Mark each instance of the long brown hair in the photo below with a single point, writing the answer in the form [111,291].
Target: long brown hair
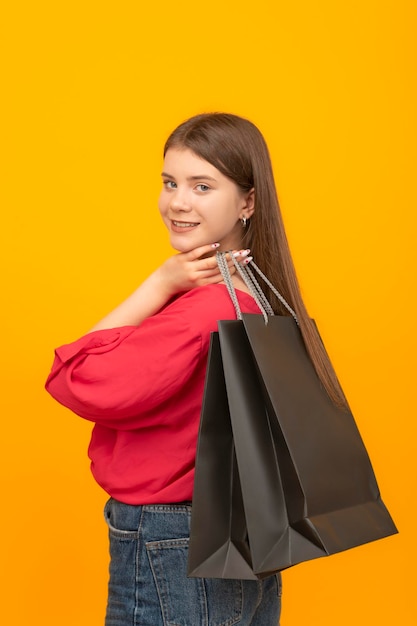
[238,150]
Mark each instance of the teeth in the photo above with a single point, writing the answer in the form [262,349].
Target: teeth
[185,224]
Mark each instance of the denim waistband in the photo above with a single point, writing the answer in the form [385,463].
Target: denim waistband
[157,506]
[128,517]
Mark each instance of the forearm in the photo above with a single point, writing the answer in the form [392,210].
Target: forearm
[179,273]
[146,300]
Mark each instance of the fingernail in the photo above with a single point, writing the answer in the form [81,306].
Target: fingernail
[248,260]
[215,245]
[241,253]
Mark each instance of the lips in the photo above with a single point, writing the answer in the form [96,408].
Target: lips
[184,224]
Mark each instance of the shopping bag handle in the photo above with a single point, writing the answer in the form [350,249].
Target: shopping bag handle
[252,284]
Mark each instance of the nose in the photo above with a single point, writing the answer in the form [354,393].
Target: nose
[180,201]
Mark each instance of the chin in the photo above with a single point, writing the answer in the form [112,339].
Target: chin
[182,247]
[185,246]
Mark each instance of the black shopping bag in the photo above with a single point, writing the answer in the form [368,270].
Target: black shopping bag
[304,482]
[218,539]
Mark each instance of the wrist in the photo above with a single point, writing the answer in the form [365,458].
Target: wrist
[159,281]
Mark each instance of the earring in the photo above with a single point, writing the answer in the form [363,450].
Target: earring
[244,220]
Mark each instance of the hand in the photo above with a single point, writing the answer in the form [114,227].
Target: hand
[196,268]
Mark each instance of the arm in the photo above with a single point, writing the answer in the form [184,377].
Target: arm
[179,273]
[118,373]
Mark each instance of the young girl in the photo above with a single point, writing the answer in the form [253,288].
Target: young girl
[139,375]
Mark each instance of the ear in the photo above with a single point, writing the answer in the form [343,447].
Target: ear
[249,206]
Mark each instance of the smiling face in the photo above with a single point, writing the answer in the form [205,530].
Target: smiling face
[199,205]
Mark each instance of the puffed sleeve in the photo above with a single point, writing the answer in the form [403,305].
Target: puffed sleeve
[120,375]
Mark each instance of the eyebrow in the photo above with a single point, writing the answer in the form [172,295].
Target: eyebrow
[198,177]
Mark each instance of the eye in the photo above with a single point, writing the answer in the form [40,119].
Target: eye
[202,187]
[169,184]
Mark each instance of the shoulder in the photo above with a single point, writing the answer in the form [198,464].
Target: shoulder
[207,305]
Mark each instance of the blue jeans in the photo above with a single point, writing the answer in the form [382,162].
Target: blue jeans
[148,583]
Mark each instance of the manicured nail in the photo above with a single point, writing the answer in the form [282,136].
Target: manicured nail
[248,260]
[241,253]
[215,245]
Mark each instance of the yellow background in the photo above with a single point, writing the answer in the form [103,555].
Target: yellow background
[90,91]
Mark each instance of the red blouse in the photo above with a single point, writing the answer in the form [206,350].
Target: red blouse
[143,388]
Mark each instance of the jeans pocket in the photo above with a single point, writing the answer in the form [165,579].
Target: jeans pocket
[119,526]
[191,601]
